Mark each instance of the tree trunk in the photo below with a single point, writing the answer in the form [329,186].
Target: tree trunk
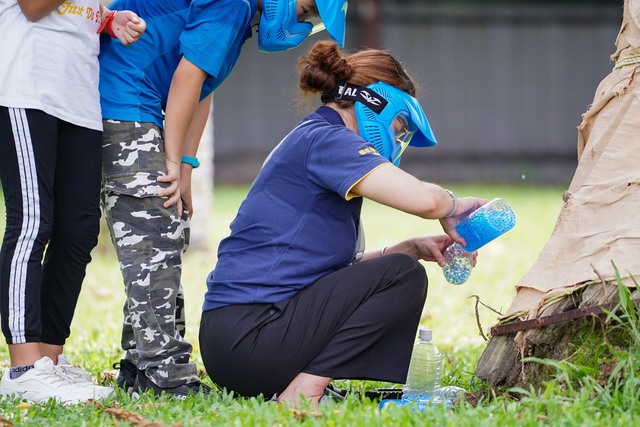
[202,190]
[501,363]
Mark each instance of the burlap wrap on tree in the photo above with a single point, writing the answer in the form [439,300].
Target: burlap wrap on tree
[598,224]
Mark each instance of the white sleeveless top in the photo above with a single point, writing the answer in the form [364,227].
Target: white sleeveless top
[52,64]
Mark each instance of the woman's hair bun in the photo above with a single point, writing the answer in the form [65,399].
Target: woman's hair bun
[323,68]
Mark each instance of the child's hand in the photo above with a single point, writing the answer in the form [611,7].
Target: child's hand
[173,190]
[127,26]
[185,188]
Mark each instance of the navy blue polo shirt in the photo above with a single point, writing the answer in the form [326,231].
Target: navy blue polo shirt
[299,221]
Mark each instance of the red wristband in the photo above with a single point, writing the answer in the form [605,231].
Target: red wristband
[108,23]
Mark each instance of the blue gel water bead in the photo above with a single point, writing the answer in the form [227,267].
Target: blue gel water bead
[418,405]
[451,392]
[486,223]
[459,264]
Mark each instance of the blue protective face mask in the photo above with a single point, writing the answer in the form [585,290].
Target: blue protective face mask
[279,28]
[377,107]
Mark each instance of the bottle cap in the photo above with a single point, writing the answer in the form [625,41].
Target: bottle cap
[425,334]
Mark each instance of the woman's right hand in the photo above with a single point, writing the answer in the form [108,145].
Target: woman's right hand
[464,206]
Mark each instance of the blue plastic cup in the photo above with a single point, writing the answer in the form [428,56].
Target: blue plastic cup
[486,223]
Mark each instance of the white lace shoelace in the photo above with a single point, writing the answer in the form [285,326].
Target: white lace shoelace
[56,376]
[75,374]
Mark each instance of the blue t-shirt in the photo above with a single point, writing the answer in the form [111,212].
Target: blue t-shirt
[299,221]
[135,79]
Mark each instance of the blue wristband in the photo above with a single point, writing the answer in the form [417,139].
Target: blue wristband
[193,161]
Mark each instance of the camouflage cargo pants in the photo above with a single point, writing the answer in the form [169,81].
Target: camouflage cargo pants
[149,241]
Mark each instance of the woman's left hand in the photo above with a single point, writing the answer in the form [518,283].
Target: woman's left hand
[431,248]
[427,248]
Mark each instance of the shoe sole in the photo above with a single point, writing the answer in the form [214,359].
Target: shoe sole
[38,398]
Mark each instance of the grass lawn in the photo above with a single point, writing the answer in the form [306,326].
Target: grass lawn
[450,311]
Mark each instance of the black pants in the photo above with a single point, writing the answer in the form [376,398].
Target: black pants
[50,172]
[357,323]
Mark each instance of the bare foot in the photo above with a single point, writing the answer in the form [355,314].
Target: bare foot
[304,386]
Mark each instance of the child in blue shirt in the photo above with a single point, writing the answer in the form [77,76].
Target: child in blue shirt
[155,102]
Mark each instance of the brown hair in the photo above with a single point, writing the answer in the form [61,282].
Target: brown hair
[325,66]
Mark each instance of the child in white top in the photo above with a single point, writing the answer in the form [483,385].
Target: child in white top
[50,168]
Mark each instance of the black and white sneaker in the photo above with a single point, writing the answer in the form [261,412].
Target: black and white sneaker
[127,375]
[331,394]
[144,384]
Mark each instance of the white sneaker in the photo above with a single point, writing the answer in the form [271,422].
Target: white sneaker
[43,382]
[81,378]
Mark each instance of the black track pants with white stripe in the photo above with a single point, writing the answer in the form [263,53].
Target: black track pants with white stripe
[50,172]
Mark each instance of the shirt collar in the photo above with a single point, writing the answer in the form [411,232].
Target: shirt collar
[330,115]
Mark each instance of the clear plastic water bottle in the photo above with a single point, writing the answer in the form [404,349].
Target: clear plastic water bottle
[446,396]
[459,264]
[425,369]
[415,404]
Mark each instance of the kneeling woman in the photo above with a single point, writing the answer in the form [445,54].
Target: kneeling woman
[292,302]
